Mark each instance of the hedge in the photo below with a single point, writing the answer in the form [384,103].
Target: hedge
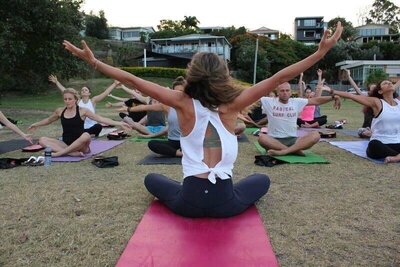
[155,72]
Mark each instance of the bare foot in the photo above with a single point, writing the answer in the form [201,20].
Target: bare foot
[273,152]
[299,153]
[392,159]
[76,154]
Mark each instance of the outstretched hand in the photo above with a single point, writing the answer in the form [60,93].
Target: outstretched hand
[327,43]
[85,53]
[126,126]
[53,78]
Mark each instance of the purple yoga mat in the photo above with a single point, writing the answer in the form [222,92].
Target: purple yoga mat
[358,148]
[96,147]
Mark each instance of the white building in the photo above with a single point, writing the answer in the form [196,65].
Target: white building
[186,46]
[360,69]
[132,34]
[375,32]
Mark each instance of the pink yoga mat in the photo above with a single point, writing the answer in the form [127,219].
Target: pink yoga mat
[163,238]
[96,147]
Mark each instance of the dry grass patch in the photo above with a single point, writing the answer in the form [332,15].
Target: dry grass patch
[346,213]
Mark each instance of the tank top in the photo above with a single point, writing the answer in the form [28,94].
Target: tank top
[155,118]
[72,127]
[193,151]
[89,105]
[308,113]
[386,126]
[174,131]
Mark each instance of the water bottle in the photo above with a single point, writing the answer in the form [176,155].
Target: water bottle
[47,156]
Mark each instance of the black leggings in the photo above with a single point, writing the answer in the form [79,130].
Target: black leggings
[167,148]
[95,129]
[198,197]
[321,121]
[378,150]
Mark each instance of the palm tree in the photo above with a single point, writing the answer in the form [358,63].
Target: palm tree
[190,22]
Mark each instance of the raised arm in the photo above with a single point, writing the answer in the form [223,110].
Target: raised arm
[318,90]
[87,113]
[53,117]
[104,94]
[169,97]
[141,98]
[53,79]
[371,102]
[14,128]
[264,87]
[351,81]
[300,85]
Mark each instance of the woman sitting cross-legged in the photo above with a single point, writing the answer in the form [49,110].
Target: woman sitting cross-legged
[75,141]
[385,125]
[207,111]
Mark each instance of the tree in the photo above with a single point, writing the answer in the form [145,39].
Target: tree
[190,22]
[31,35]
[174,28]
[96,26]
[349,31]
[229,32]
[385,12]
[376,76]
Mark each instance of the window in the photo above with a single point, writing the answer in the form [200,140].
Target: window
[309,34]
[310,22]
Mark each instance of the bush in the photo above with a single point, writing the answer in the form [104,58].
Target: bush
[155,72]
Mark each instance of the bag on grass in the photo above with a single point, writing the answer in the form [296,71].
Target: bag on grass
[267,161]
[117,135]
[8,163]
[105,162]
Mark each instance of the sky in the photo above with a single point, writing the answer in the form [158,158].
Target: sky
[252,14]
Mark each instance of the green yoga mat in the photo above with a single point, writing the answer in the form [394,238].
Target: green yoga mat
[145,139]
[309,157]
[251,130]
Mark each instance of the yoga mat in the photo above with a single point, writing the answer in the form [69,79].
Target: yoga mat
[353,133]
[153,159]
[11,145]
[251,130]
[358,148]
[309,157]
[163,238]
[96,147]
[145,139]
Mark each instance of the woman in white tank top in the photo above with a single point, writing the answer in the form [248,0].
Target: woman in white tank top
[385,106]
[207,111]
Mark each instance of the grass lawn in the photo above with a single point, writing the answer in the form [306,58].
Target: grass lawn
[346,213]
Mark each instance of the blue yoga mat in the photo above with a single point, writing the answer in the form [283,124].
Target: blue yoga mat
[358,148]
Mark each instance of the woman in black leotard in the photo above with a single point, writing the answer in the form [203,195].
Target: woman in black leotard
[75,141]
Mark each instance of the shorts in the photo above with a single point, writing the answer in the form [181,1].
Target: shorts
[155,129]
[287,141]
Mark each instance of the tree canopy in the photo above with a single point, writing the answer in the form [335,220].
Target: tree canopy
[31,35]
[385,12]
[96,26]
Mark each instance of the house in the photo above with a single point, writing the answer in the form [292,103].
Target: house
[375,32]
[360,69]
[309,30]
[132,34]
[209,30]
[179,50]
[264,31]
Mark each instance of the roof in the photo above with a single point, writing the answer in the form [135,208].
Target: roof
[355,63]
[315,17]
[264,30]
